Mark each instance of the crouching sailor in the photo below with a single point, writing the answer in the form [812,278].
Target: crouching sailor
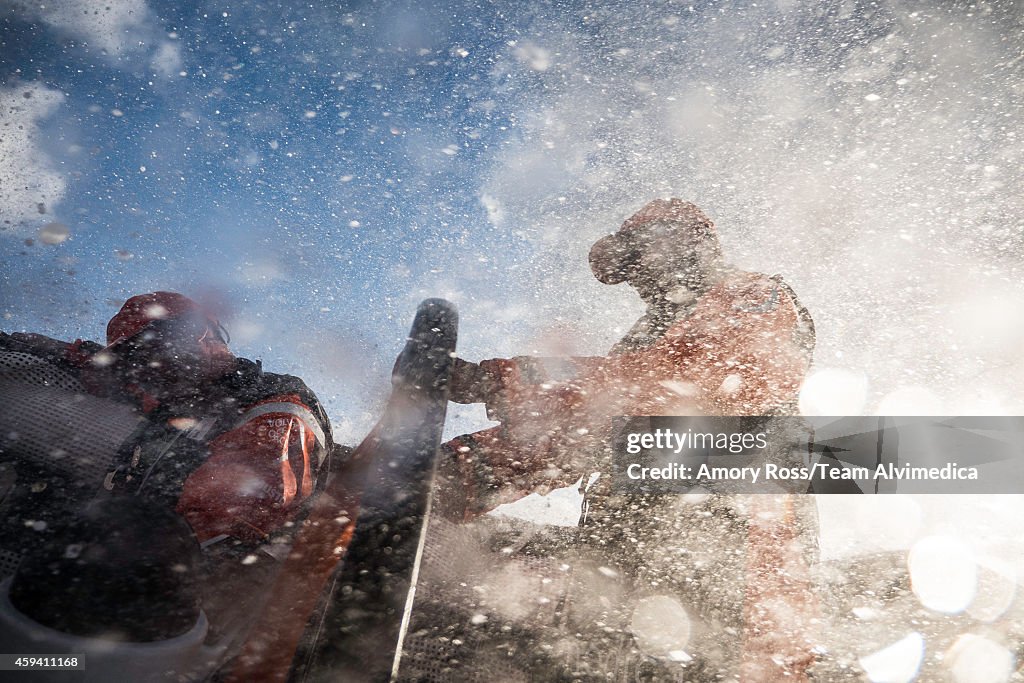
[146,487]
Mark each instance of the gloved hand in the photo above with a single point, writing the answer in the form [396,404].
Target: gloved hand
[499,383]
[469,382]
[493,382]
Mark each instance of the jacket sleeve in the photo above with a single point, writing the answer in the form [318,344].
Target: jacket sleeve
[257,474]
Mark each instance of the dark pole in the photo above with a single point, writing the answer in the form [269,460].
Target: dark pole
[357,637]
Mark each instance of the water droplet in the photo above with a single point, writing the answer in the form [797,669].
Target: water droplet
[54,233]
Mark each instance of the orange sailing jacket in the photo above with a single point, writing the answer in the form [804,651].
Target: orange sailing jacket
[741,348]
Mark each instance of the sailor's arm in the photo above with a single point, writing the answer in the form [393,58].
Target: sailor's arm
[257,474]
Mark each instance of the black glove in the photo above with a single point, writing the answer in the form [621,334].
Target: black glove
[469,383]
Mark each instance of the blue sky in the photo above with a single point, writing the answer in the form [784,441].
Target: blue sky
[316,172]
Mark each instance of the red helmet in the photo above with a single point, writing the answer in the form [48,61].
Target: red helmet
[611,254]
[144,309]
[169,343]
